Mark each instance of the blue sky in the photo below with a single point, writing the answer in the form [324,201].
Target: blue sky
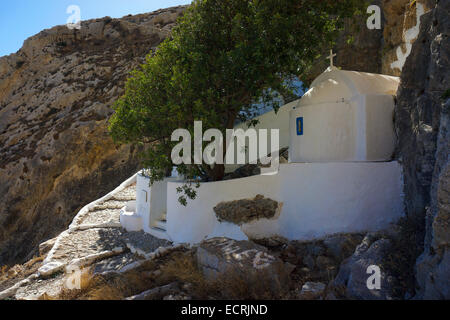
[20,19]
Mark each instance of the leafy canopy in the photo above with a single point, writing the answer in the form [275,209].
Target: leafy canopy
[221,58]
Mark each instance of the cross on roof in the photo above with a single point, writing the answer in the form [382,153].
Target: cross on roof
[331,57]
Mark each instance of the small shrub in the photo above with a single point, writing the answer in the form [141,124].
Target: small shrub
[19,64]
[91,288]
[446,94]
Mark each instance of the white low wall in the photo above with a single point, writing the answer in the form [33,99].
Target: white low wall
[318,199]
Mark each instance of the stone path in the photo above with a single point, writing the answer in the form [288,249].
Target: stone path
[78,244]
[94,237]
[143,243]
[114,263]
[109,210]
[35,290]
[127,194]
[93,231]
[101,216]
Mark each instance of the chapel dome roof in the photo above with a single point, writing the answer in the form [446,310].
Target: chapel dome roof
[335,85]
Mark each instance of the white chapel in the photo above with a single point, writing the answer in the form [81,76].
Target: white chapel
[340,176]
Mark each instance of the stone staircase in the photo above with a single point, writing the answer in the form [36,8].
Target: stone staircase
[159,228]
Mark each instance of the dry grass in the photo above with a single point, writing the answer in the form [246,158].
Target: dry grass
[91,288]
[256,286]
[112,287]
[11,275]
[234,284]
[3,272]
[96,287]
[180,267]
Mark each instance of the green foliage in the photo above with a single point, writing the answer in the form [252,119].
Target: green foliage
[222,57]
[446,94]
[188,192]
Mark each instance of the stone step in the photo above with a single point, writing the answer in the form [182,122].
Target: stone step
[161,224]
[144,243]
[123,198]
[159,233]
[109,205]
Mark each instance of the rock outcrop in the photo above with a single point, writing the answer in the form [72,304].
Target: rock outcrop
[55,99]
[422,124]
[378,50]
[223,258]
[353,274]
[402,24]
[363,53]
[247,210]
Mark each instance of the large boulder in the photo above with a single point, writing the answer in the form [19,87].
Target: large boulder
[222,258]
[353,273]
[341,246]
[247,210]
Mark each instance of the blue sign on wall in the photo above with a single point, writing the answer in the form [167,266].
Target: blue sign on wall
[300,126]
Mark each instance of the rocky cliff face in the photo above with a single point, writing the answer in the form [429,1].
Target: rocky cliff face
[378,50]
[414,44]
[55,99]
[402,20]
[422,122]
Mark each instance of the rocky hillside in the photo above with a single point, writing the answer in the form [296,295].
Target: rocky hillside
[423,128]
[55,99]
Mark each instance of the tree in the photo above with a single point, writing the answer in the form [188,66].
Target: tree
[222,57]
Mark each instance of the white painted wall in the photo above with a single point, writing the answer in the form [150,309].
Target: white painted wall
[158,201]
[143,198]
[129,220]
[328,198]
[271,120]
[151,200]
[347,116]
[329,133]
[318,199]
[196,221]
[380,133]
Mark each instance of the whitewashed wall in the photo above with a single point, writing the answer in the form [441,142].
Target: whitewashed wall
[143,198]
[318,199]
[271,120]
[347,116]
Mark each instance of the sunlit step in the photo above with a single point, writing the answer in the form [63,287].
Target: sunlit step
[160,224]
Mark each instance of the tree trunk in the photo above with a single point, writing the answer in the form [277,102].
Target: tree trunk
[218,172]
